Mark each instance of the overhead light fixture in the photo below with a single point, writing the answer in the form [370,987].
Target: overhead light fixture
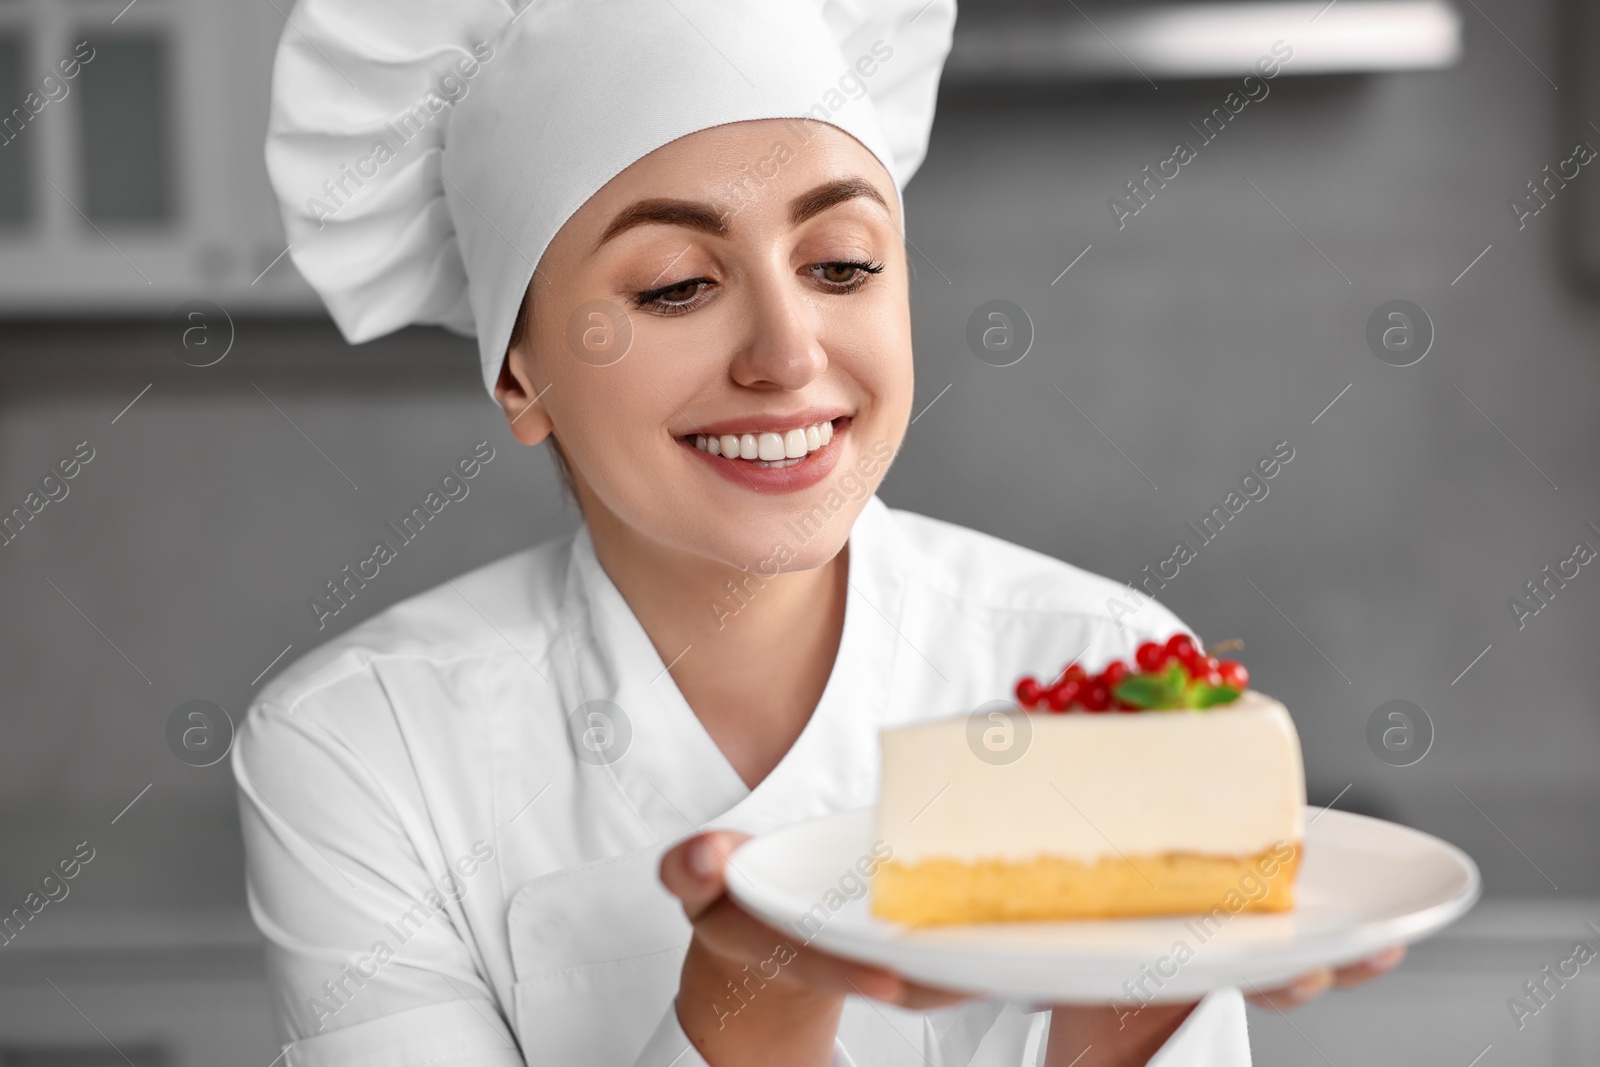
[1087,42]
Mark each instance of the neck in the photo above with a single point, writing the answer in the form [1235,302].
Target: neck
[750,651]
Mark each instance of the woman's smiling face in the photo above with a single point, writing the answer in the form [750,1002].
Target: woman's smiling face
[740,286]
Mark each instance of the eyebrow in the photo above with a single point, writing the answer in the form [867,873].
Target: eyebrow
[697,215]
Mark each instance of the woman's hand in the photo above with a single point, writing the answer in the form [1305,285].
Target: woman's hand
[749,991]
[1313,984]
[1106,1036]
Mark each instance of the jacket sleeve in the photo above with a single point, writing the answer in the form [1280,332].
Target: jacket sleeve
[1214,1035]
[365,961]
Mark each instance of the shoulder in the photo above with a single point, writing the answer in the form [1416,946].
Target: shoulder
[981,572]
[506,609]
[997,611]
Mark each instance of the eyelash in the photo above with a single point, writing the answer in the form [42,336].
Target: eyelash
[648,299]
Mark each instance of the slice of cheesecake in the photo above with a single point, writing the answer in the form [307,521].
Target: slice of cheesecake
[1009,814]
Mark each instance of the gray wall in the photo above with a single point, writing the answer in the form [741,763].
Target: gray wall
[1208,329]
[1195,338]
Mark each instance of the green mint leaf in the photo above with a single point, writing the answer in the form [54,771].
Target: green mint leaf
[1176,680]
[1210,696]
[1143,691]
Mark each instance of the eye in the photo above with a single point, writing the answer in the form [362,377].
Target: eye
[845,275]
[674,299]
[841,276]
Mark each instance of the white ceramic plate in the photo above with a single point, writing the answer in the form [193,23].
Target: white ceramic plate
[1363,884]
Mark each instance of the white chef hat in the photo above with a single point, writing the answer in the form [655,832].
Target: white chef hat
[425,152]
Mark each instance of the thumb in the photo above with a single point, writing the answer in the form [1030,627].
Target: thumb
[694,869]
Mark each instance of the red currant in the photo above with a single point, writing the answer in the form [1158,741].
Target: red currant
[1097,697]
[1151,657]
[1113,672]
[1123,705]
[1028,691]
[1234,674]
[1061,695]
[1074,673]
[1182,649]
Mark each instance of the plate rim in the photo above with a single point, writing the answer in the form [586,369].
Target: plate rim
[1404,929]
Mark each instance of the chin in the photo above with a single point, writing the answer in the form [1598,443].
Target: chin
[767,519]
[781,535]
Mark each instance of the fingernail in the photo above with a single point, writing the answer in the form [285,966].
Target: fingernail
[703,858]
[1390,958]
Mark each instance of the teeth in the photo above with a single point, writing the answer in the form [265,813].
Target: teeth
[769,446]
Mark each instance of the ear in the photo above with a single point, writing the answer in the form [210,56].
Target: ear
[519,394]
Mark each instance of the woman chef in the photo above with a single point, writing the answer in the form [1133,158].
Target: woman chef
[488,826]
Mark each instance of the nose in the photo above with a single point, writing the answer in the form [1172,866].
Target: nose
[783,347]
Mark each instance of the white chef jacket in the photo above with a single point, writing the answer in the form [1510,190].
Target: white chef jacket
[435,747]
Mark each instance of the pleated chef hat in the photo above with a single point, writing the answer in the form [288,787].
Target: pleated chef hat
[425,152]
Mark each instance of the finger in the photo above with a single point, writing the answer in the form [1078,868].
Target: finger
[1368,969]
[914,996]
[694,869]
[1308,986]
[732,933]
[919,997]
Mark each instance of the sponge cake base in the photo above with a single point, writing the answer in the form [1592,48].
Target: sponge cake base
[937,891]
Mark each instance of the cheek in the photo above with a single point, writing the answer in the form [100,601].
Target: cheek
[612,420]
[607,417]
[873,346]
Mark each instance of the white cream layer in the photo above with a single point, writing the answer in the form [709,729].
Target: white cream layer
[1223,781]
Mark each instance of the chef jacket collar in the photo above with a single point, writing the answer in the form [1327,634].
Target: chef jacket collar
[672,772]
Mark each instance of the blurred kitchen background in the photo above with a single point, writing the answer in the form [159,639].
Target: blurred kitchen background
[139,240]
